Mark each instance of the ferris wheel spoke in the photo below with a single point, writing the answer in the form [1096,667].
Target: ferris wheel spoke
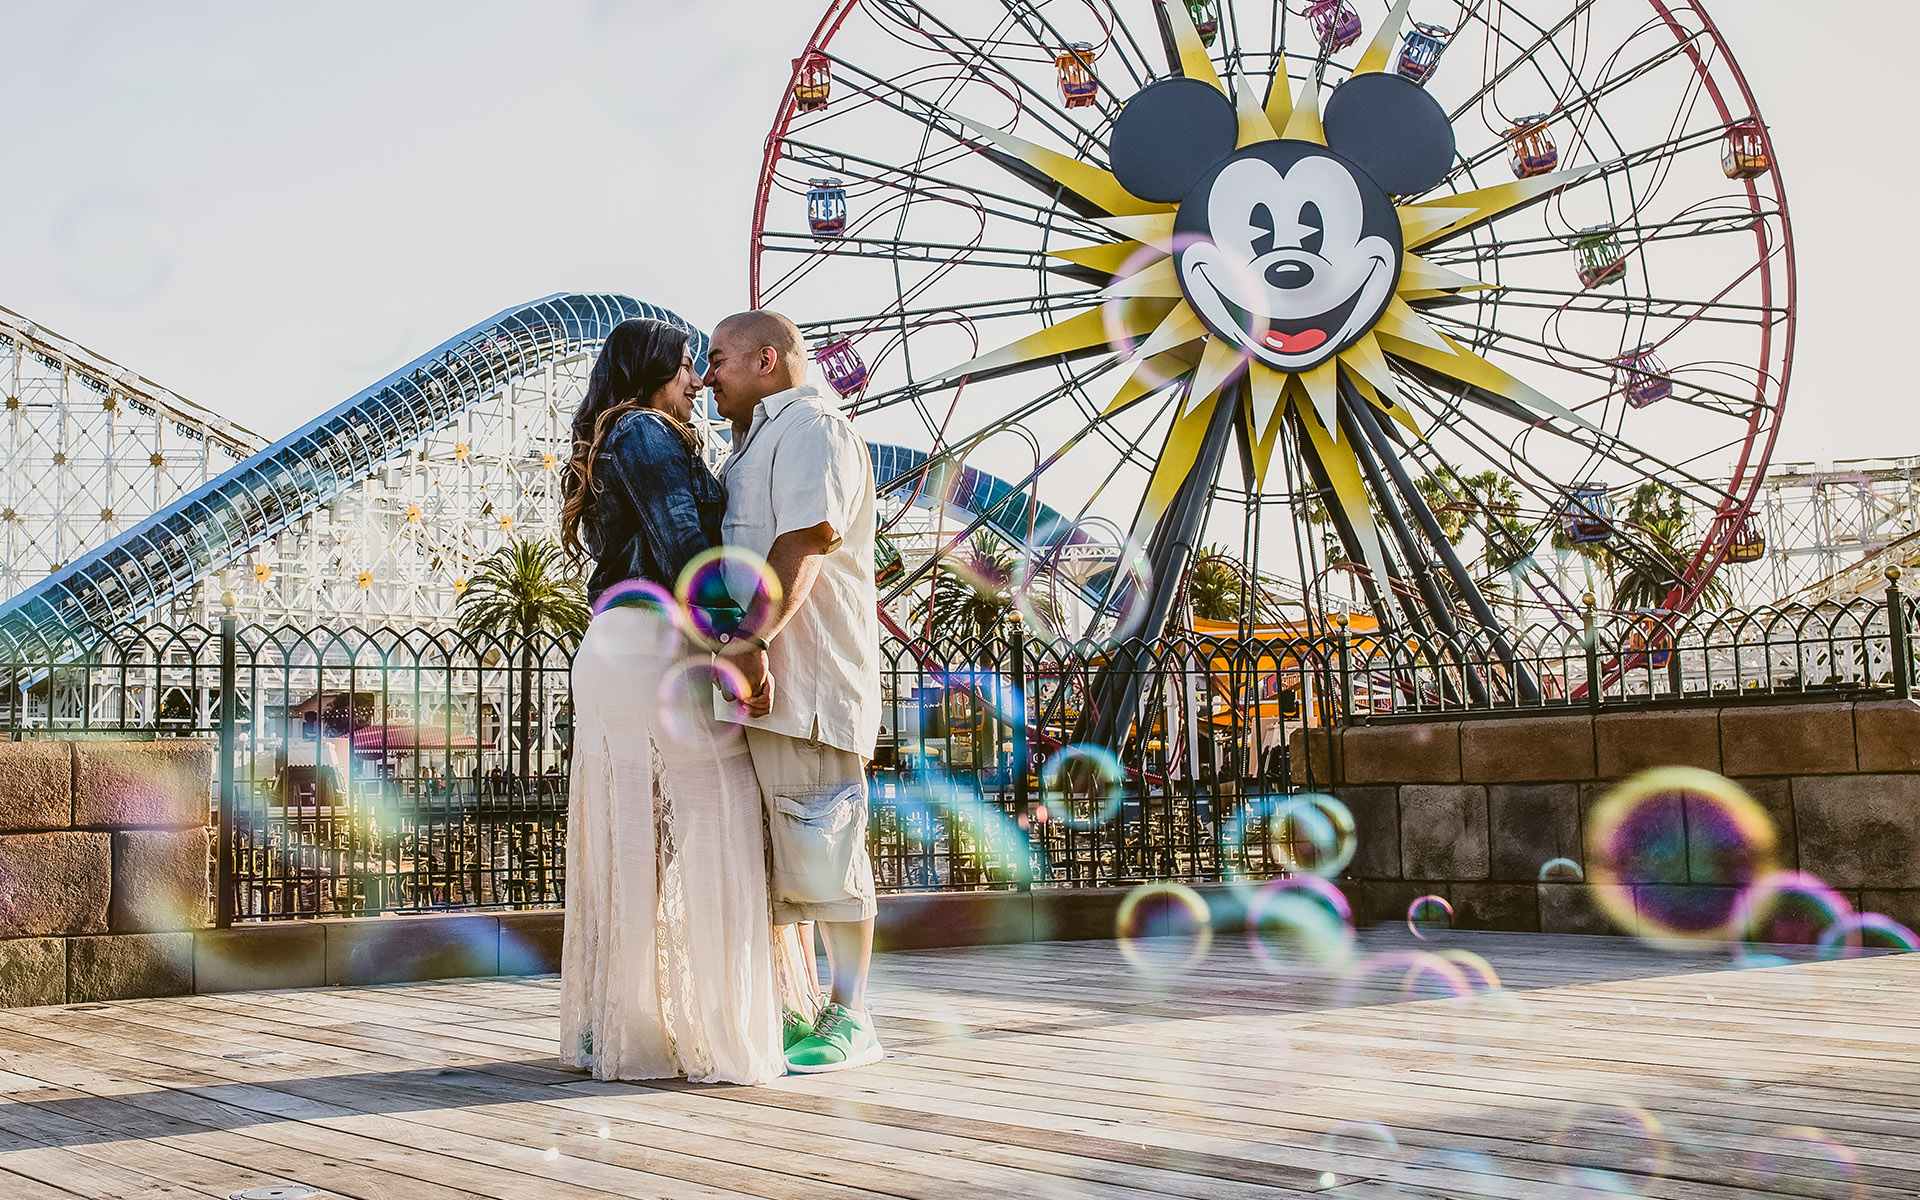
[1740,221]
[978,310]
[1505,342]
[1027,212]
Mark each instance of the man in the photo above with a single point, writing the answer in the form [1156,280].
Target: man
[800,495]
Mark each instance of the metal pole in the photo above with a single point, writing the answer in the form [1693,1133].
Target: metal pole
[1022,739]
[223,857]
[1900,637]
[1592,625]
[1346,670]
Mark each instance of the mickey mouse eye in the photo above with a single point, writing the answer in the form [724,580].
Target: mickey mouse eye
[1262,219]
[1313,228]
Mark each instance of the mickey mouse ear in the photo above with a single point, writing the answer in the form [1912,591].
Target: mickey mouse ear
[1393,129]
[1168,135]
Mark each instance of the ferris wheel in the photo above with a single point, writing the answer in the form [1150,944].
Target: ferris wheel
[1439,301]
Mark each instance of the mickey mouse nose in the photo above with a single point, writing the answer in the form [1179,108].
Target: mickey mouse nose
[1289,276]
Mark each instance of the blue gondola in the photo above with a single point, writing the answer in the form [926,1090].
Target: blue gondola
[827,207]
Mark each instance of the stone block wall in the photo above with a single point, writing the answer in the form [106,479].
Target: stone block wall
[105,857]
[1470,810]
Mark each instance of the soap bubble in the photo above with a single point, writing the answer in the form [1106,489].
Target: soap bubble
[1850,936]
[1672,826]
[1429,915]
[1561,870]
[1311,834]
[1085,786]
[1163,928]
[1299,921]
[1786,908]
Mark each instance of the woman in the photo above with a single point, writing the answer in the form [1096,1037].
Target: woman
[669,966]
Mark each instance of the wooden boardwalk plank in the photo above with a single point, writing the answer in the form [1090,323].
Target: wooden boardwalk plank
[1026,1071]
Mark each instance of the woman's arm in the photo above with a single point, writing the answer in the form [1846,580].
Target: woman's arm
[653,475]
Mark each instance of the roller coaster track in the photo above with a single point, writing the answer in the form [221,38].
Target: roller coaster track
[164,555]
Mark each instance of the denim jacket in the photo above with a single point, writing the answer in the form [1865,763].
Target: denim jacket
[656,505]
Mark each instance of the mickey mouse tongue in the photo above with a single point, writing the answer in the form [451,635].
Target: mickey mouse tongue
[1294,343]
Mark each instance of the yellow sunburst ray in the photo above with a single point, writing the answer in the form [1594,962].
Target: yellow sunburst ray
[1380,53]
[1219,362]
[1161,278]
[1154,229]
[1262,443]
[1176,463]
[1323,389]
[1254,124]
[1179,327]
[1419,224]
[1194,63]
[1149,375]
[1280,101]
[1457,362]
[1479,207]
[1401,321]
[1350,492]
[1367,363]
[1394,409]
[1303,125]
[1080,332]
[1268,389]
[1108,256]
[1419,275]
[1085,179]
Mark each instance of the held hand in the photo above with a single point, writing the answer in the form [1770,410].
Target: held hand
[753,669]
[761,702]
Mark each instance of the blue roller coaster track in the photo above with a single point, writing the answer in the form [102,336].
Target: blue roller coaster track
[165,555]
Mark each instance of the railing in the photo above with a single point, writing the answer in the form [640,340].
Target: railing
[364,772]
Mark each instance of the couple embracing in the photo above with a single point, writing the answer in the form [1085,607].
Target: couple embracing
[699,840]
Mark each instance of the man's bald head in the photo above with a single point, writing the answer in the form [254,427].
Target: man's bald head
[751,356]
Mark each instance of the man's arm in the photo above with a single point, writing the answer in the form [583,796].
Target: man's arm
[794,561]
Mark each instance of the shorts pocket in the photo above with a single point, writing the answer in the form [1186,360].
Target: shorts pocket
[818,837]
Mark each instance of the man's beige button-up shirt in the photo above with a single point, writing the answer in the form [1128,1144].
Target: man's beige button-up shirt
[801,464]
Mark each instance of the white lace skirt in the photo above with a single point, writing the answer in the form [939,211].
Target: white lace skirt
[669,965]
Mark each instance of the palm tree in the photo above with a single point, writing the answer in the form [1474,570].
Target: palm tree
[1658,511]
[528,587]
[1214,588]
[974,587]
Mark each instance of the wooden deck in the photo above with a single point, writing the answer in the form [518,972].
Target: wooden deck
[1032,1071]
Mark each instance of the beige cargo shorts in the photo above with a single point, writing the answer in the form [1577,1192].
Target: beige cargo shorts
[816,798]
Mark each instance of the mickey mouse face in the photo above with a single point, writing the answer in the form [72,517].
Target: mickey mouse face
[1288,249]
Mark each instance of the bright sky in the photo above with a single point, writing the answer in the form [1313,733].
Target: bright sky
[264,207]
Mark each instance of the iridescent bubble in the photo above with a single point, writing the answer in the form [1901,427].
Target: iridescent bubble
[1852,936]
[1357,1150]
[1561,870]
[1786,908]
[1803,1161]
[724,591]
[1401,975]
[1299,921]
[1476,968]
[1310,834]
[1163,928]
[1676,825]
[1085,786]
[1610,1139]
[1429,915]
[694,704]
[642,594]
[1120,595]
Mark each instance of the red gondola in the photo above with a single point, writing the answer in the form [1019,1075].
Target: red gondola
[1744,156]
[812,82]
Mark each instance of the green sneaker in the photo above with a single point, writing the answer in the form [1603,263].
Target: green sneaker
[842,1039]
[794,1028]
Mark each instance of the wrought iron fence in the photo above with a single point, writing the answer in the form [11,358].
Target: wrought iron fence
[384,771]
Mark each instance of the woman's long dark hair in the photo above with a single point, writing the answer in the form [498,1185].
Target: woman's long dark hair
[639,358]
